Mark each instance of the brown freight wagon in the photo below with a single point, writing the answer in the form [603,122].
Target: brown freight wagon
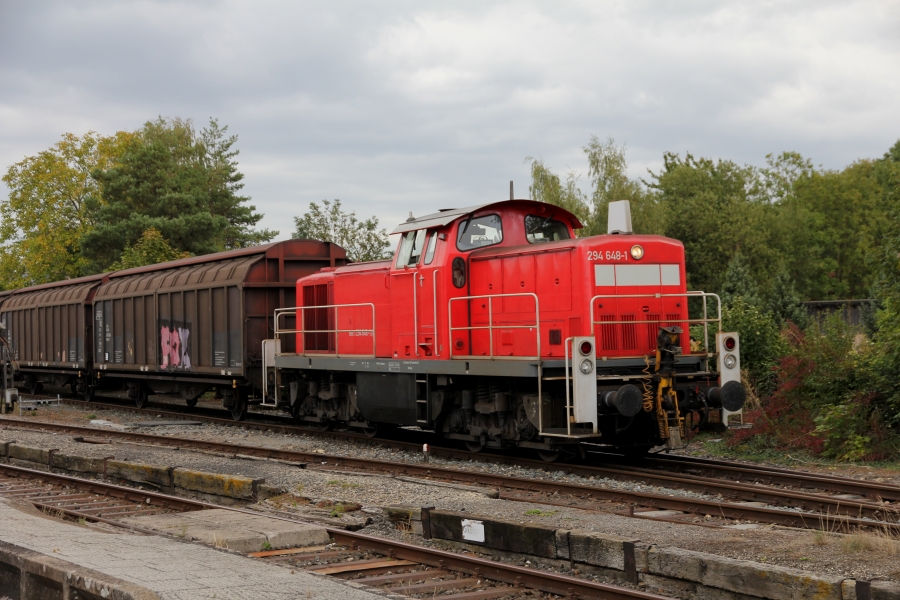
[183,327]
[49,331]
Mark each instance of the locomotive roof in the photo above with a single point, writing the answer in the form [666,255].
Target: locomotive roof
[447,216]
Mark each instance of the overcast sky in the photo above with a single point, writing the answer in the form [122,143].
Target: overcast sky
[399,106]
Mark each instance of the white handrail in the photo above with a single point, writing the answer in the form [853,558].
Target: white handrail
[490,326]
[434,297]
[337,331]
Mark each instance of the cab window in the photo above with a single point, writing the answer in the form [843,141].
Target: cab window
[480,232]
[544,229]
[411,246]
[429,251]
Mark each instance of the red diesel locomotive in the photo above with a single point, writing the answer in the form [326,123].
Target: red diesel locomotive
[496,326]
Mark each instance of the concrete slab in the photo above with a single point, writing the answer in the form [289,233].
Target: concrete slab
[159,567]
[653,514]
[233,530]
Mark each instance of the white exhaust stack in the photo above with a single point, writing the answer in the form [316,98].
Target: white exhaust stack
[619,217]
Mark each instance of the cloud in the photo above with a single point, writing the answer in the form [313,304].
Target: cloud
[401,106]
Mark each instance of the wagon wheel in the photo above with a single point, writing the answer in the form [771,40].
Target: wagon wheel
[371,431]
[192,402]
[239,408]
[142,397]
[475,446]
[324,425]
[549,455]
[34,386]
[88,393]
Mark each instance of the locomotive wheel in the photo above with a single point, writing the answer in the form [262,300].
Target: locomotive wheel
[142,397]
[371,431]
[549,455]
[324,425]
[475,446]
[635,451]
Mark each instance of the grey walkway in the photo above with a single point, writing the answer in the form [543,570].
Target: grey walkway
[174,570]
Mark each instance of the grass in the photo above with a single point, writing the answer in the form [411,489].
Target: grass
[540,513]
[760,449]
[90,417]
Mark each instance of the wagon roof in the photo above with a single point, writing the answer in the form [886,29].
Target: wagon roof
[447,216]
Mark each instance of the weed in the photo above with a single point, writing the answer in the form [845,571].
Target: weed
[333,482]
[266,545]
[540,513]
[90,416]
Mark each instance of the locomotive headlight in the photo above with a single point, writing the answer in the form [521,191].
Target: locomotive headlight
[730,361]
[637,252]
[586,366]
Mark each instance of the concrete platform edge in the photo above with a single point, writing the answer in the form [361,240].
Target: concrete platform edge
[29,575]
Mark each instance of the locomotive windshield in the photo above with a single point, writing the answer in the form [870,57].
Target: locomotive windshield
[539,230]
[480,232]
[411,246]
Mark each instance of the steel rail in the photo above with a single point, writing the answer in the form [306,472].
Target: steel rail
[875,491]
[519,576]
[704,485]
[776,475]
[808,520]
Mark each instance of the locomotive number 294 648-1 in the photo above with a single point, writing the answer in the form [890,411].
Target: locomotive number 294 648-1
[607,255]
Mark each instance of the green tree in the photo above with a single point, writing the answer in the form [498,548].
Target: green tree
[180,182]
[783,301]
[151,249]
[887,335]
[828,227]
[362,240]
[547,187]
[607,168]
[47,212]
[715,208]
[739,283]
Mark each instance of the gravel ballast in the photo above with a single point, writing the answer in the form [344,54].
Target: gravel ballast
[862,557]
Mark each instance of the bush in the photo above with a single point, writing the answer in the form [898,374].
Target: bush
[826,401]
[761,343]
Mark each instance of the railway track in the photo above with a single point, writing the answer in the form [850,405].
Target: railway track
[749,502]
[397,567]
[848,496]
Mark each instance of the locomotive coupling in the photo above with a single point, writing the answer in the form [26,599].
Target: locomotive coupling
[628,400]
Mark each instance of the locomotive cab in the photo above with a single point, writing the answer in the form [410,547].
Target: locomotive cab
[496,326]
